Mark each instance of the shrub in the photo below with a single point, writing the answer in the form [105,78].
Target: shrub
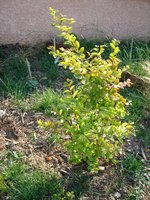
[94,109]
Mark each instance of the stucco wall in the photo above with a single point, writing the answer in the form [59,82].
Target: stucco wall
[27,21]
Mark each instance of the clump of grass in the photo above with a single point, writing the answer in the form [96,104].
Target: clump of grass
[52,139]
[132,166]
[13,89]
[45,101]
[132,51]
[14,80]
[138,106]
[18,182]
[137,111]
[48,67]
[134,54]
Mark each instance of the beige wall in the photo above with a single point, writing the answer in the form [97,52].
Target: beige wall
[27,21]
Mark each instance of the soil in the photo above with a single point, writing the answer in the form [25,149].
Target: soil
[19,132]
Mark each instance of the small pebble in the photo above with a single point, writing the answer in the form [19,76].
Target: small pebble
[2,113]
[117,195]
[84,198]
[101,168]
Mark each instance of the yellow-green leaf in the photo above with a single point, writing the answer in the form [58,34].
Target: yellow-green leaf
[75,94]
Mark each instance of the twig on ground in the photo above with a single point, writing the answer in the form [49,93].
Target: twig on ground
[143,154]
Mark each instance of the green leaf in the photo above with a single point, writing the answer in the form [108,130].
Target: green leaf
[75,93]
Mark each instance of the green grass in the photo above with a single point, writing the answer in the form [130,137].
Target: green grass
[20,183]
[48,68]
[14,76]
[14,81]
[137,111]
[134,51]
[135,175]
[45,101]
[135,54]
[139,104]
[131,166]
